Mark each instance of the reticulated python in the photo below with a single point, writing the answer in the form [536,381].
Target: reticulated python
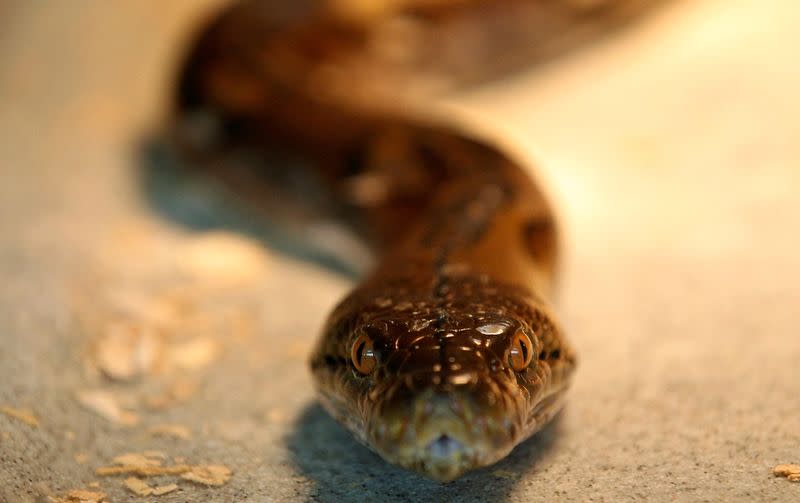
[448,354]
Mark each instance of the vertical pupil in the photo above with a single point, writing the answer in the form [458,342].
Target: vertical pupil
[360,351]
[523,350]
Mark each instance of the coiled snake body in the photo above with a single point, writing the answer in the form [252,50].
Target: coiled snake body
[448,354]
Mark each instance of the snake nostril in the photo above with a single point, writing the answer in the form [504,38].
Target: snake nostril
[443,447]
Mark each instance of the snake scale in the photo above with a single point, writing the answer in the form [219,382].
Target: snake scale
[448,353]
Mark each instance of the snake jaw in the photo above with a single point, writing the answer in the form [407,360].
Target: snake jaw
[439,434]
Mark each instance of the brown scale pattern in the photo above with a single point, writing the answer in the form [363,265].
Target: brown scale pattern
[466,242]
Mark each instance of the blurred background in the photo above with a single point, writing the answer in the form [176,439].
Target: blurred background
[671,148]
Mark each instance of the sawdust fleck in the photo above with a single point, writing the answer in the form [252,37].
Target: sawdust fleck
[142,306]
[105,404]
[177,392]
[223,259]
[138,486]
[79,496]
[195,353]
[209,475]
[142,470]
[127,350]
[137,459]
[790,471]
[25,415]
[170,430]
[168,488]
[81,457]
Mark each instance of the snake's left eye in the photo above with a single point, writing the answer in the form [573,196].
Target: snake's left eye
[363,354]
[521,352]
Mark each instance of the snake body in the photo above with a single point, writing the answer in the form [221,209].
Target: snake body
[448,354]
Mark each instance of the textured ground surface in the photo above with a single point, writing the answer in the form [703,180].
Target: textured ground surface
[674,154]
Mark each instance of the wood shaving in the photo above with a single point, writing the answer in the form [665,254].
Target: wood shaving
[179,391]
[791,472]
[127,350]
[105,404]
[147,465]
[170,430]
[81,457]
[79,496]
[138,486]
[136,459]
[84,496]
[24,415]
[159,490]
[195,353]
[223,259]
[209,475]
[142,306]
[142,470]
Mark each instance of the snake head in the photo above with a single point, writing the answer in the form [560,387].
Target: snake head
[442,390]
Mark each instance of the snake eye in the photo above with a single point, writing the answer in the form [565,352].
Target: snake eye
[521,353]
[363,355]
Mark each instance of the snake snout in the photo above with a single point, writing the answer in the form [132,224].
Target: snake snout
[443,448]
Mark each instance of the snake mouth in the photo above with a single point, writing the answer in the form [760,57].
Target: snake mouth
[445,458]
[439,435]
[444,448]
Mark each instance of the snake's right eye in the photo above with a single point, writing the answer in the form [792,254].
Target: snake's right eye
[520,354]
[363,355]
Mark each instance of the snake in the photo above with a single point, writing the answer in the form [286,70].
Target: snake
[449,352]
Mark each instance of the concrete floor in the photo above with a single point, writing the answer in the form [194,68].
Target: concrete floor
[673,152]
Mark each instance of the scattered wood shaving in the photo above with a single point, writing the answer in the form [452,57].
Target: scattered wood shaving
[81,457]
[142,305]
[179,391]
[79,496]
[195,353]
[791,472]
[94,484]
[209,475]
[138,486]
[84,496]
[24,415]
[105,404]
[223,259]
[142,470]
[170,430]
[136,459]
[159,490]
[143,465]
[127,350]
